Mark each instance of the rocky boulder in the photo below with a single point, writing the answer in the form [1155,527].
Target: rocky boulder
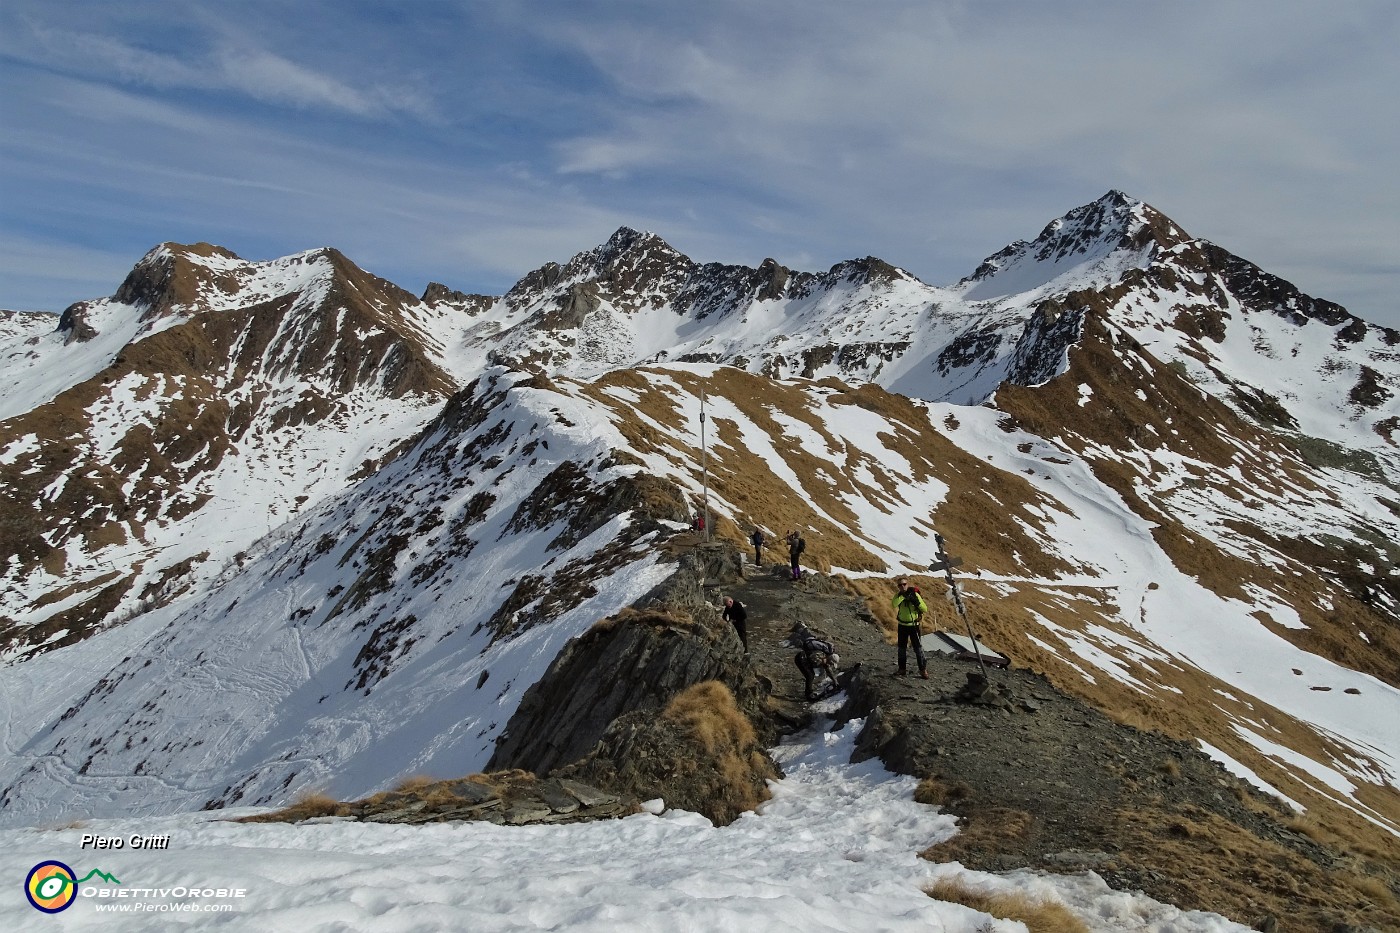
[700,754]
[633,662]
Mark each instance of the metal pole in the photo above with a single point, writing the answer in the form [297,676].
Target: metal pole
[947,565]
[704,464]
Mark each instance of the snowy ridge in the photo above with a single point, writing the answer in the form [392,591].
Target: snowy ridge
[418,574]
[1174,476]
[229,395]
[392,630]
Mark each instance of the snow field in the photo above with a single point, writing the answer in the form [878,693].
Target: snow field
[834,850]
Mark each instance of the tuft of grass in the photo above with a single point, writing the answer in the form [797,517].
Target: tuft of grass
[936,792]
[72,824]
[672,617]
[709,713]
[1306,824]
[307,807]
[985,829]
[414,782]
[1038,914]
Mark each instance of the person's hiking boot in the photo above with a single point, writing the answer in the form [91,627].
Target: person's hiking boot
[923,674]
[899,672]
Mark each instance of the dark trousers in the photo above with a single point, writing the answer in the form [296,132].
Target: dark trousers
[743,629]
[909,634]
[758,555]
[809,673]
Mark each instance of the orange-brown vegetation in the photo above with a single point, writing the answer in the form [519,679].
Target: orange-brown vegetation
[708,713]
[1038,914]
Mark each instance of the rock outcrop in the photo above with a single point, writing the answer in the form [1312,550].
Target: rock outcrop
[606,706]
[509,799]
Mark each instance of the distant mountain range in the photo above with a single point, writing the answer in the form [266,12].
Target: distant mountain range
[279,525]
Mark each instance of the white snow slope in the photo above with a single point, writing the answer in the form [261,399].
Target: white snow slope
[833,850]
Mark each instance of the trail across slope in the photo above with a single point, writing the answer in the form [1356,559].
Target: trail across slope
[1044,781]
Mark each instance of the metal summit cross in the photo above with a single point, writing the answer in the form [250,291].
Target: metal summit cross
[946,564]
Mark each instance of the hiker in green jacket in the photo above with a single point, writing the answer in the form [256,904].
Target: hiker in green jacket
[909,609]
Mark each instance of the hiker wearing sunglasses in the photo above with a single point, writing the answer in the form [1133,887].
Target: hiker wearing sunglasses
[909,609]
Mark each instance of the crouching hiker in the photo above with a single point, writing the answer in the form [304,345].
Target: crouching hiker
[909,609]
[814,654]
[735,613]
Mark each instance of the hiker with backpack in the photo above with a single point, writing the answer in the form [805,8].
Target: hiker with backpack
[909,609]
[796,545]
[756,539]
[814,654]
[736,614]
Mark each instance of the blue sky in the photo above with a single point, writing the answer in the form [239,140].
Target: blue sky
[469,142]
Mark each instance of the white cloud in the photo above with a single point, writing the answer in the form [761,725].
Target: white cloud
[240,69]
[930,135]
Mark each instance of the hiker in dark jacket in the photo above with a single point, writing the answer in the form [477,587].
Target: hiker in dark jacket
[909,609]
[757,540]
[814,654]
[735,613]
[796,545]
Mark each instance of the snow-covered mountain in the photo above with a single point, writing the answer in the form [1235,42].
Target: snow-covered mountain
[282,525]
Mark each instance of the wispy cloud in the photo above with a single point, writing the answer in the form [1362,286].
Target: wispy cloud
[256,73]
[472,141]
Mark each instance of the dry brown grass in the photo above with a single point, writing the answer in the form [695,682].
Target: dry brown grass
[671,617]
[710,714]
[1039,915]
[71,824]
[936,792]
[414,782]
[707,712]
[985,829]
[307,807]
[1241,875]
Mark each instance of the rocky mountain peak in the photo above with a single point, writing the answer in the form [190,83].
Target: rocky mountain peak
[630,259]
[633,268]
[1113,223]
[868,271]
[171,274]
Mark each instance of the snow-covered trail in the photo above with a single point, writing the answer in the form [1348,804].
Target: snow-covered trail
[834,850]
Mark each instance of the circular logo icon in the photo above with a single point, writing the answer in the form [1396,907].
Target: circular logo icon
[51,887]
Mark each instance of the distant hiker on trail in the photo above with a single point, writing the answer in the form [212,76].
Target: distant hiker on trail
[909,609]
[756,539]
[699,521]
[814,653]
[796,545]
[735,612]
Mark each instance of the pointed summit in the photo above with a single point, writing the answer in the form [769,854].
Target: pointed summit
[1117,230]
[632,269]
[627,251]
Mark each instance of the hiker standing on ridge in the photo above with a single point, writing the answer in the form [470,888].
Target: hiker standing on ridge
[757,540]
[909,609]
[796,545]
[735,612]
